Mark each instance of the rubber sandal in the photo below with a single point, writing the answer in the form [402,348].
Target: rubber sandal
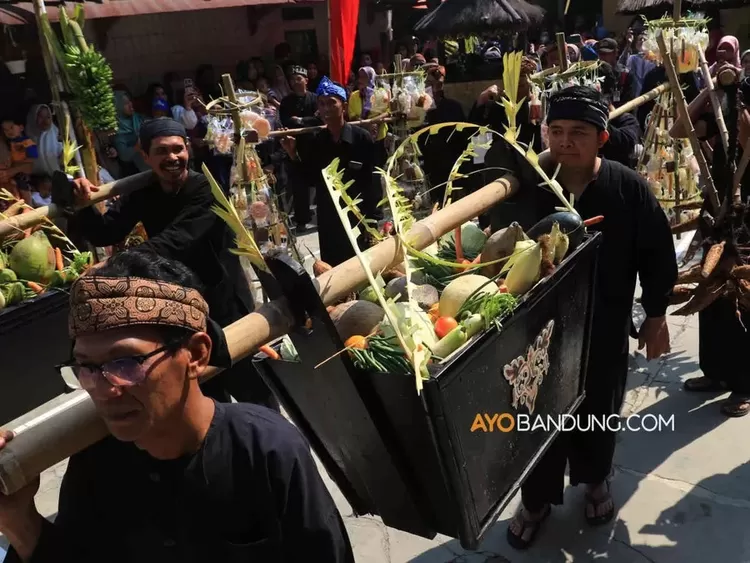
[736,406]
[703,385]
[596,503]
[517,541]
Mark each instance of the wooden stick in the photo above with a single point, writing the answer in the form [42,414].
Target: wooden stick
[239,151]
[640,100]
[738,174]
[718,114]
[562,51]
[386,118]
[684,114]
[105,192]
[653,125]
[72,423]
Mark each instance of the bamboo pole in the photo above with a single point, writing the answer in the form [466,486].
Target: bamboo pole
[315,128]
[562,52]
[105,192]
[684,115]
[715,105]
[640,100]
[72,425]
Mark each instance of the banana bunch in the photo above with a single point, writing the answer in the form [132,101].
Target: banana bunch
[89,78]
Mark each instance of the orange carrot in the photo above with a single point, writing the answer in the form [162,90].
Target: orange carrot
[593,220]
[59,265]
[270,352]
[459,249]
[35,287]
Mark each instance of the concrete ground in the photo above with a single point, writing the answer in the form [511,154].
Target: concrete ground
[683,496]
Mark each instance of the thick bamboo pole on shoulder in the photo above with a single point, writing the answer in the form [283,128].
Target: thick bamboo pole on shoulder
[562,51]
[103,193]
[72,425]
[640,100]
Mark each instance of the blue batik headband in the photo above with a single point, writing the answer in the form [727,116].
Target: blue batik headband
[327,87]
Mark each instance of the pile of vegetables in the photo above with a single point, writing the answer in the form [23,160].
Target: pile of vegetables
[31,265]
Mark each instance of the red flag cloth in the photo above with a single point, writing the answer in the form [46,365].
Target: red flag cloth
[344,15]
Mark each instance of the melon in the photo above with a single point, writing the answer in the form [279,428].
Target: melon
[459,290]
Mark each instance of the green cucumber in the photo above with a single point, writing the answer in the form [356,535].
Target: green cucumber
[473,325]
[450,342]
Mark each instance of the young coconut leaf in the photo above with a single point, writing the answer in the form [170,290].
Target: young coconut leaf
[246,245]
[403,220]
[370,225]
[333,181]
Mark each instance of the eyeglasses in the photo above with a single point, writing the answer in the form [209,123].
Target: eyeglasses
[127,371]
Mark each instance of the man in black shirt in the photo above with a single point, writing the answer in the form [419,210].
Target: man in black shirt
[354,148]
[636,242]
[183,478]
[624,131]
[299,109]
[174,206]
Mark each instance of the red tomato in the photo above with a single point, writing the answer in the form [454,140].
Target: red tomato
[444,325]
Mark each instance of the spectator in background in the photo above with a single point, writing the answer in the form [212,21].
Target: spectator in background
[365,60]
[206,82]
[42,193]
[379,68]
[624,131]
[638,66]
[185,113]
[125,141]
[41,129]
[259,66]
[313,76]
[745,61]
[622,89]
[23,152]
[279,87]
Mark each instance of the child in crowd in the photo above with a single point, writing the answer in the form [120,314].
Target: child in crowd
[42,194]
[14,174]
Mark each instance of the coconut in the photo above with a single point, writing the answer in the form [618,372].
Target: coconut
[356,318]
[33,258]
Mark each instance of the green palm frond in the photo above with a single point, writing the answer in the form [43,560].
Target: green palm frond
[246,245]
[337,177]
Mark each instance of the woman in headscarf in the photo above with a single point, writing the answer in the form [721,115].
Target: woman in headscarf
[125,140]
[41,130]
[727,53]
[745,62]
[280,87]
[360,107]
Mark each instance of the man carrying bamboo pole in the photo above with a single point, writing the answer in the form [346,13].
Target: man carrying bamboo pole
[174,206]
[182,478]
[636,242]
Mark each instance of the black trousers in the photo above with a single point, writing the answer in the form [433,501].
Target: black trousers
[589,453]
[300,188]
[720,333]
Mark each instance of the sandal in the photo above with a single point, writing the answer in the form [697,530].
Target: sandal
[517,541]
[598,520]
[736,406]
[703,384]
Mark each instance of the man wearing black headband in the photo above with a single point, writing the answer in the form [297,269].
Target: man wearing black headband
[355,149]
[298,109]
[174,205]
[636,242]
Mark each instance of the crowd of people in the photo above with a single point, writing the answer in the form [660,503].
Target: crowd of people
[184,450]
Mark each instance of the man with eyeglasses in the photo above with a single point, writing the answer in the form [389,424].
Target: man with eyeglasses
[183,478]
[174,206]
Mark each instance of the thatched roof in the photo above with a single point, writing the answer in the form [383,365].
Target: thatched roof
[657,8]
[455,17]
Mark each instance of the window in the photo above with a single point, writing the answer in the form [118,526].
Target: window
[297,14]
[304,44]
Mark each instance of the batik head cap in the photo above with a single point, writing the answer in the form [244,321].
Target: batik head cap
[99,303]
[300,70]
[328,87]
[579,103]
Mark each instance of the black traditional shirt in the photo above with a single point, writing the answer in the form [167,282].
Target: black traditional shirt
[303,107]
[252,493]
[180,226]
[356,152]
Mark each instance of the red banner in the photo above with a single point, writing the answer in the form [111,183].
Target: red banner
[344,16]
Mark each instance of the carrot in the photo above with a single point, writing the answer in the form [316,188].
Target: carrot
[593,221]
[59,265]
[459,248]
[712,258]
[35,287]
[268,351]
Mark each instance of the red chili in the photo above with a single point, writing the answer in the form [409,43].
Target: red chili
[593,221]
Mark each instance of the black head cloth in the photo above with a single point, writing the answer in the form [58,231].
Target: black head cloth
[160,127]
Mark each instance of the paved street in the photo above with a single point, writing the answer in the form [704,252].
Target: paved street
[684,496]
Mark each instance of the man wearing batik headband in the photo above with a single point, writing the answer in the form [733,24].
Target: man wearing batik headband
[298,109]
[174,205]
[354,148]
[182,478]
[636,241]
